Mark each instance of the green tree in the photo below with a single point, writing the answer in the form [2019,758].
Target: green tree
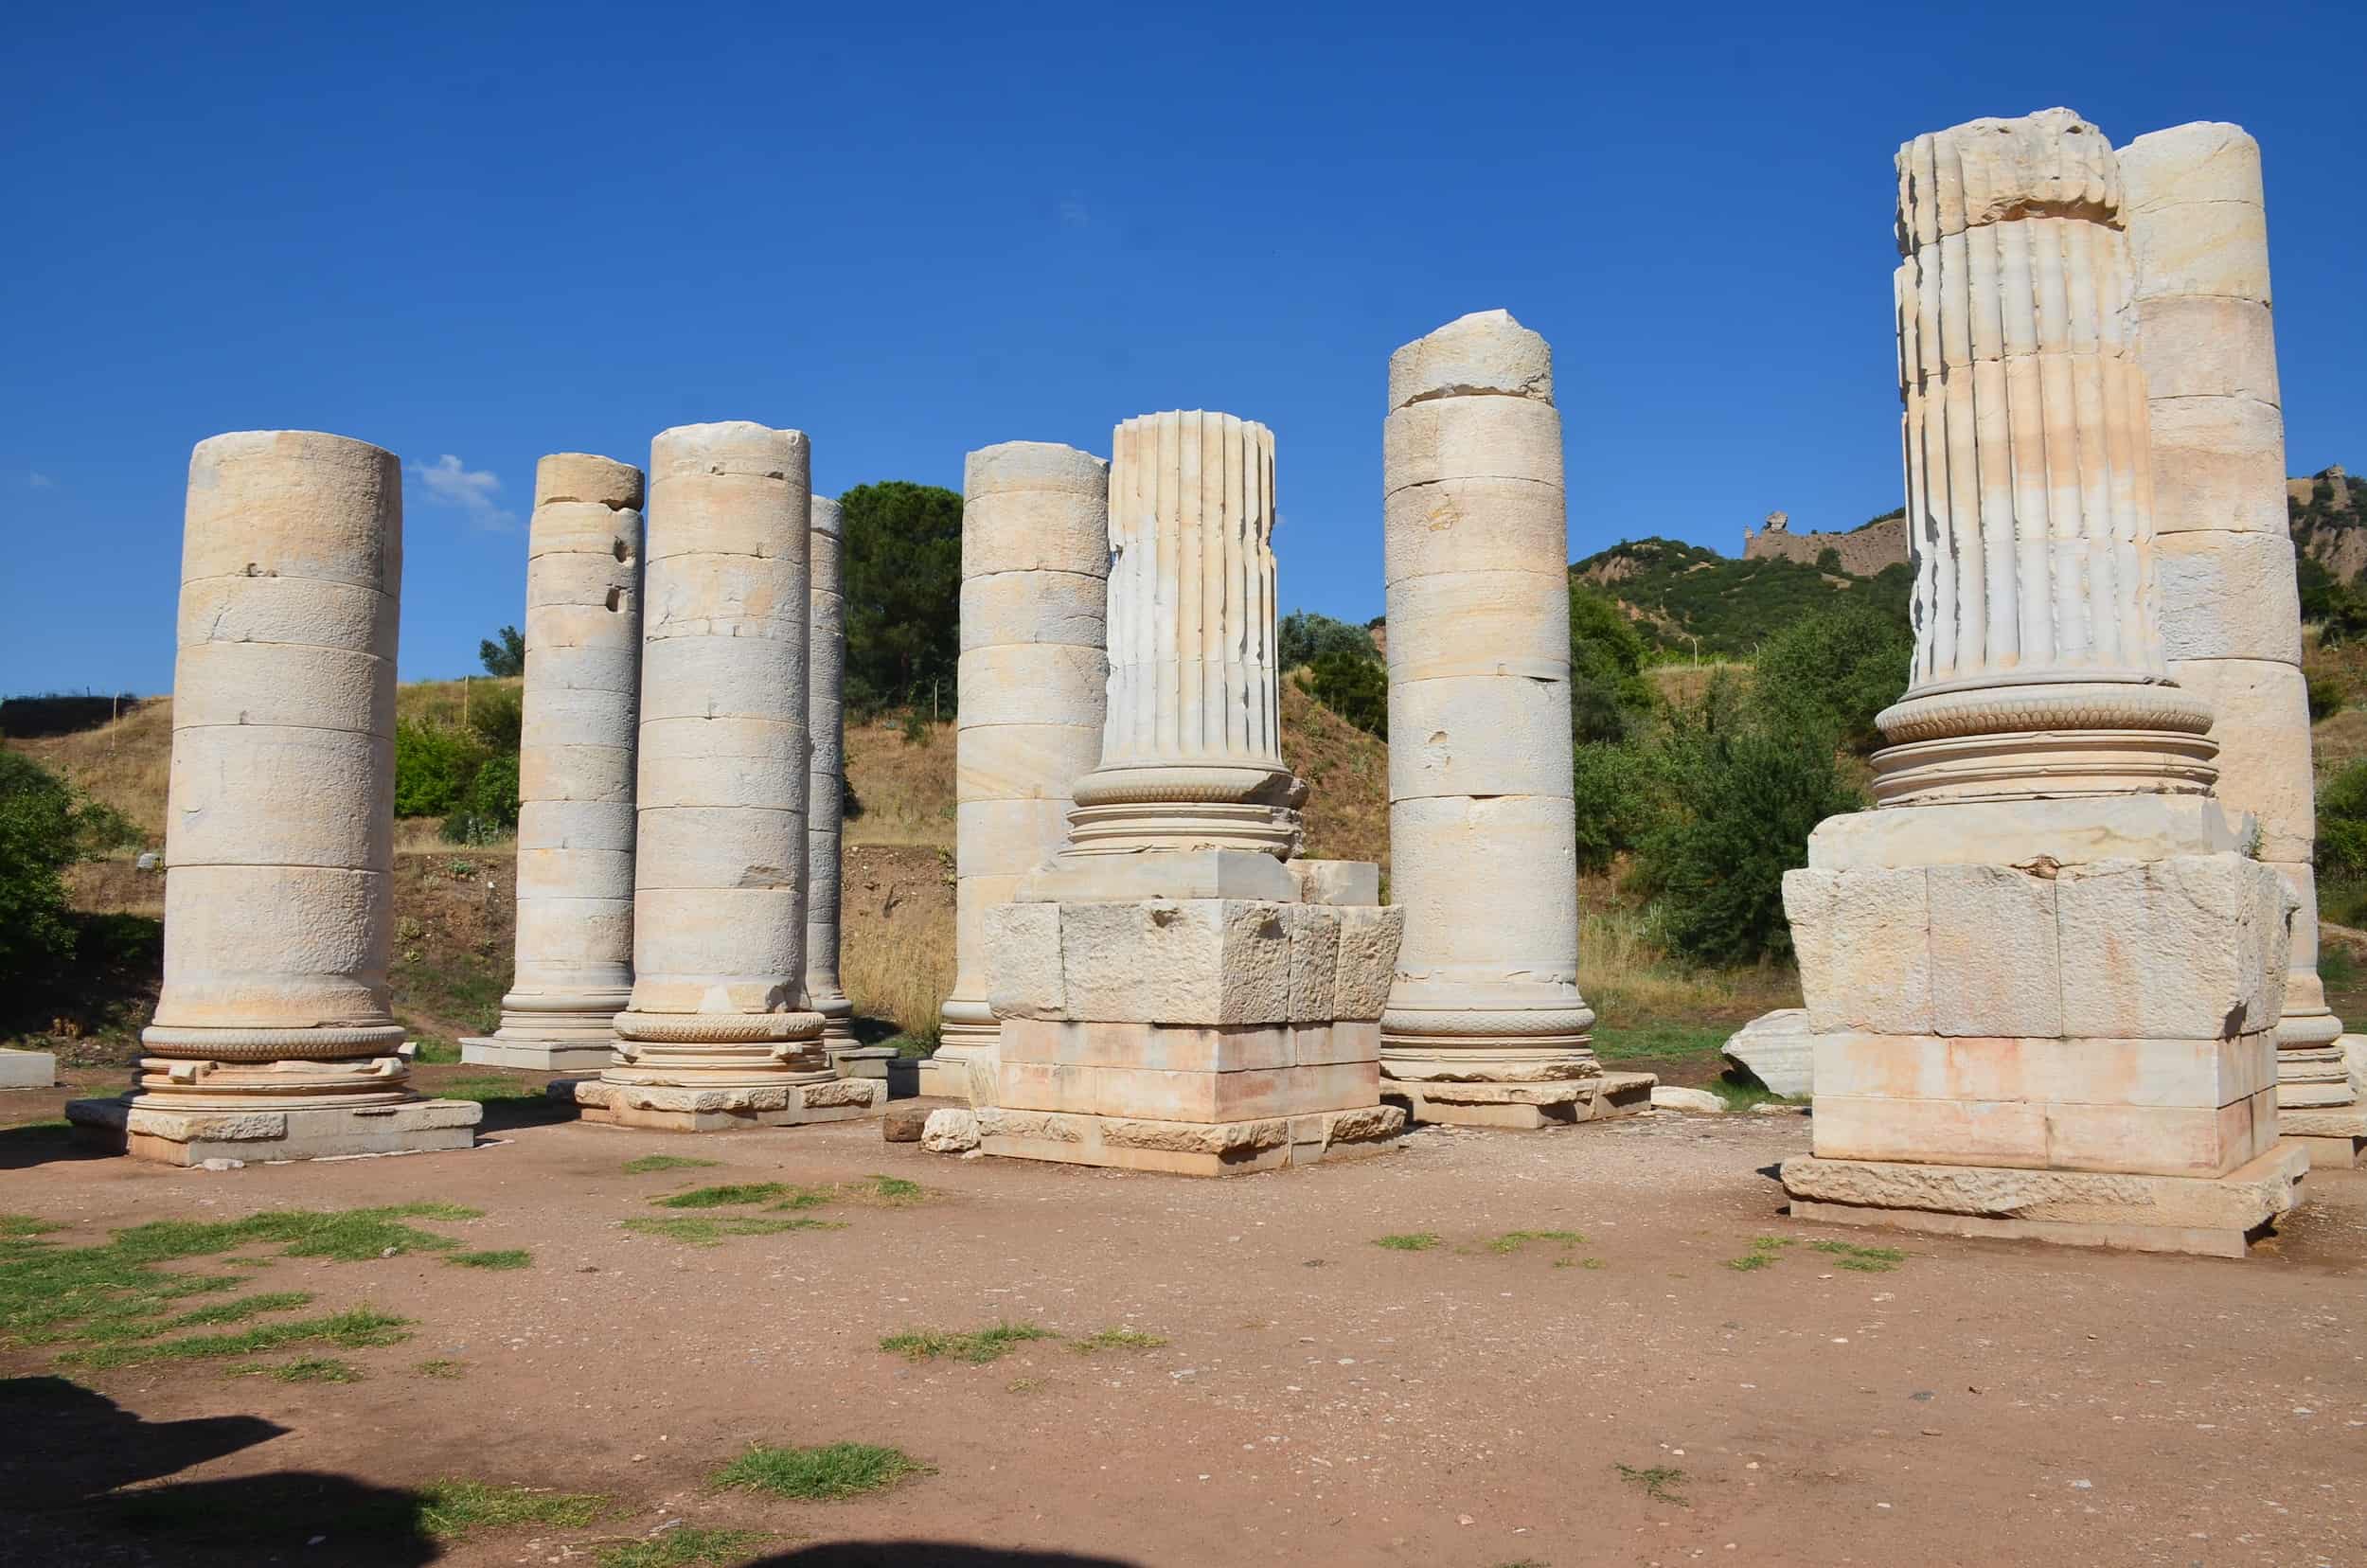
[2342,822]
[1616,792]
[902,565]
[45,826]
[1609,695]
[1305,636]
[1833,670]
[1354,687]
[432,766]
[505,657]
[487,808]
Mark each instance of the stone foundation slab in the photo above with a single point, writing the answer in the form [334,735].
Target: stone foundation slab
[862,1062]
[28,1069]
[2336,1138]
[536,1055]
[1189,1148]
[667,1109]
[1521,1106]
[175,1137]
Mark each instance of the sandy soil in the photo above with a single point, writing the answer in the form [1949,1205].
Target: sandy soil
[1320,1399]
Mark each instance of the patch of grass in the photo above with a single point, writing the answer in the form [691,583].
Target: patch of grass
[1620,1045]
[1023,1385]
[710,1230]
[893,1191]
[1659,1482]
[433,1049]
[1860,1259]
[1764,1251]
[356,1329]
[241,1309]
[881,1191]
[308,1369]
[1568,1262]
[348,1236]
[451,1508]
[509,1258]
[1741,1093]
[685,1546]
[492,1091]
[1512,1241]
[441,1367]
[16,1227]
[826,1473]
[976,1346]
[648,1163]
[1118,1339]
[1408,1241]
[722,1197]
[1751,1261]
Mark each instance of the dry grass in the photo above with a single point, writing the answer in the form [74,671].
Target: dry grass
[1627,975]
[905,788]
[125,764]
[896,935]
[1683,681]
[1347,772]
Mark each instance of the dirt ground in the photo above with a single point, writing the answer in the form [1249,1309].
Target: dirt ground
[1319,1398]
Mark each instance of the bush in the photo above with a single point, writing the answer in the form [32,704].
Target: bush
[433,765]
[1355,688]
[1833,670]
[1609,696]
[497,717]
[1305,637]
[2326,697]
[1617,800]
[902,561]
[2342,822]
[45,827]
[486,808]
[1744,790]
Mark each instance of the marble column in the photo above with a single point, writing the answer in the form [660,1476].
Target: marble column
[2044,977]
[2230,617]
[271,1038]
[574,967]
[718,1033]
[826,793]
[1485,1024]
[1034,680]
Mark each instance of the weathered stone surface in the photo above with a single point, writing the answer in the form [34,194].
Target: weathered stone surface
[28,1069]
[904,1123]
[1864,945]
[1779,1050]
[949,1130]
[2190,947]
[1667,1097]
[2253,1195]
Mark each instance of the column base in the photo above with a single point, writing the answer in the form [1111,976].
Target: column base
[126,1125]
[1523,1107]
[851,1061]
[963,1067]
[2214,1217]
[721,1108]
[1189,1148]
[2336,1138]
[537,1056]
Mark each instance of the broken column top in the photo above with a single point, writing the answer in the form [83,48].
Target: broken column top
[1485,353]
[729,446]
[586,477]
[2201,161]
[1036,465]
[2049,164]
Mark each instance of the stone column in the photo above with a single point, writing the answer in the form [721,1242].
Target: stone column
[574,968]
[720,1033]
[826,794]
[1486,1025]
[2230,618]
[1034,689]
[271,1039]
[2043,976]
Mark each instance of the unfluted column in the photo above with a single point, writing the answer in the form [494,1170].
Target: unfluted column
[2230,617]
[2038,667]
[1034,691]
[1191,752]
[271,1038]
[825,775]
[719,1032]
[1483,847]
[574,970]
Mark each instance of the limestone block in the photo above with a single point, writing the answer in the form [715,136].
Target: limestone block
[1059,608]
[2203,248]
[690,847]
[28,1069]
[576,934]
[1035,763]
[1185,961]
[758,762]
[1453,859]
[285,612]
[1994,967]
[1032,684]
[2204,1074]
[255,794]
[1863,942]
[950,1130]
[1034,506]
[723,676]
[1003,837]
[340,521]
[2200,161]
[1669,1097]
[281,684]
[1779,1050]
[2077,832]
[1480,623]
[1478,735]
[2254,1195]
[1336,882]
[2216,464]
[1024,961]
[2262,726]
[1314,962]
[2191,947]
[2228,595]
[681,935]
[1486,351]
[588,874]
[274,946]
[1939,1131]
[1445,441]
[1370,938]
[549,773]
[577,824]
[2208,347]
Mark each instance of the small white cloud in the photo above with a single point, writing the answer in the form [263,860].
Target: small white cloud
[450,482]
[37,480]
[1075,215]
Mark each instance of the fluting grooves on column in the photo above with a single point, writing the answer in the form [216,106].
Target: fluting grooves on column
[825,775]
[1034,692]
[1481,831]
[2029,494]
[720,1033]
[575,769]
[272,1037]
[1191,755]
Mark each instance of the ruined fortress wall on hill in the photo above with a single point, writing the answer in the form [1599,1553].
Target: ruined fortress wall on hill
[1863,551]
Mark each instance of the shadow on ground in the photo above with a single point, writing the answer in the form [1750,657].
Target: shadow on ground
[90,1489]
[43,1143]
[928,1553]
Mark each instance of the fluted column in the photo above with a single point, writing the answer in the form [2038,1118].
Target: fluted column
[1034,689]
[1481,837]
[2230,618]
[2038,666]
[1191,751]
[720,1032]
[825,775]
[574,968]
[279,906]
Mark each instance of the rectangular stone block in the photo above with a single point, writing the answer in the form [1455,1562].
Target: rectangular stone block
[1863,942]
[1177,961]
[1189,1148]
[1314,962]
[2076,832]
[2262,726]
[1932,1132]
[2228,595]
[2219,463]
[1335,881]
[2197,1073]
[2189,948]
[28,1069]
[1995,970]
[1369,941]
[1025,975]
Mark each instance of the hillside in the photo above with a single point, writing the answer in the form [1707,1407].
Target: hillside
[2328,516]
[1689,598]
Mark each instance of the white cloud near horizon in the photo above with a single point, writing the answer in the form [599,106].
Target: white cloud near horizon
[37,480]
[449,482]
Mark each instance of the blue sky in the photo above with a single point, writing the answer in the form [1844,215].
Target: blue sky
[477,234]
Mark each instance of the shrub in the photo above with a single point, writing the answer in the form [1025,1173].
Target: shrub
[1616,799]
[1355,688]
[1305,637]
[2342,822]
[1832,671]
[497,717]
[41,834]
[486,807]
[1609,695]
[2326,697]
[507,656]
[433,765]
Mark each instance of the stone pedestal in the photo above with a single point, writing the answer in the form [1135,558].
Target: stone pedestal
[1034,694]
[2231,621]
[271,1039]
[574,968]
[28,1069]
[1176,992]
[1485,1024]
[720,1034]
[2043,978]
